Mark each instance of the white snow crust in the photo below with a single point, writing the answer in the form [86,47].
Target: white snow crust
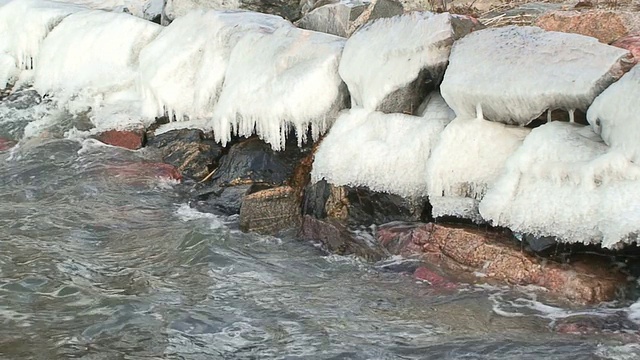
[466,161]
[615,115]
[90,60]
[516,73]
[385,152]
[177,8]
[388,54]
[146,9]
[564,182]
[23,26]
[280,81]
[182,70]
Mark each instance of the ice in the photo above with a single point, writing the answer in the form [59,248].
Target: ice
[90,61]
[614,115]
[280,81]
[178,8]
[147,9]
[385,152]
[466,161]
[182,70]
[514,74]
[388,54]
[23,26]
[564,182]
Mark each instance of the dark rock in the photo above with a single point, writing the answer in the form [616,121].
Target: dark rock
[270,211]
[386,9]
[315,199]
[22,99]
[224,200]
[539,244]
[129,139]
[189,151]
[597,324]
[338,239]
[408,98]
[254,162]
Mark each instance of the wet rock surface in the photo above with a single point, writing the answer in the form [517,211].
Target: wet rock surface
[128,139]
[617,323]
[491,253]
[219,200]
[188,150]
[270,211]
[6,144]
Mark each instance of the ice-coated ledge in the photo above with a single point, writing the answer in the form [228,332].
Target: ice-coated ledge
[514,74]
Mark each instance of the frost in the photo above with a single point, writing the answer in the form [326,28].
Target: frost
[614,115]
[385,152]
[388,54]
[90,61]
[564,182]
[292,84]
[178,8]
[514,74]
[182,70]
[466,161]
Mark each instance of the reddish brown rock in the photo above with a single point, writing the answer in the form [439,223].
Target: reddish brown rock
[631,43]
[135,172]
[270,211]
[432,277]
[6,144]
[131,139]
[606,26]
[469,250]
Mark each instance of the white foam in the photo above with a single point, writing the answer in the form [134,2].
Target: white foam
[182,70]
[292,84]
[187,213]
[466,161]
[564,182]
[515,73]
[385,152]
[614,115]
[387,54]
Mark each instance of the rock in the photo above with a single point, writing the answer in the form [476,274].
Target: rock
[188,150]
[135,172]
[390,65]
[336,238]
[254,162]
[6,144]
[617,323]
[128,139]
[315,199]
[532,71]
[271,211]
[335,18]
[224,200]
[433,278]
[466,251]
[22,99]
[631,43]
[604,25]
[288,9]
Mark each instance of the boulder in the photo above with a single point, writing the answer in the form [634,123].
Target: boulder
[128,139]
[492,254]
[221,200]
[140,172]
[618,325]
[21,99]
[390,65]
[631,43]
[6,144]
[605,25]
[337,239]
[288,9]
[532,71]
[271,211]
[188,150]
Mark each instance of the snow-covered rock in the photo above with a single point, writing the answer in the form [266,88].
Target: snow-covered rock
[288,9]
[390,65]
[338,18]
[514,74]
[23,26]
[385,152]
[564,182]
[615,115]
[184,78]
[280,81]
[466,161]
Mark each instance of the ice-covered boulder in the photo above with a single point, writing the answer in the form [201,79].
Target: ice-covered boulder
[184,78]
[514,74]
[390,65]
[23,26]
[288,9]
[280,81]
[615,115]
[466,161]
[564,182]
[92,58]
[384,152]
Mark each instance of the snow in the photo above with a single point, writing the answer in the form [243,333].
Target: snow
[182,70]
[23,26]
[90,61]
[385,152]
[388,54]
[292,84]
[178,8]
[466,161]
[515,73]
[564,182]
[147,9]
[614,115]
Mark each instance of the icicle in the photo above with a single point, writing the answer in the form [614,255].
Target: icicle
[479,114]
[548,115]
[572,115]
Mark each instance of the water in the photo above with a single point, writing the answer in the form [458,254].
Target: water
[101,259]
